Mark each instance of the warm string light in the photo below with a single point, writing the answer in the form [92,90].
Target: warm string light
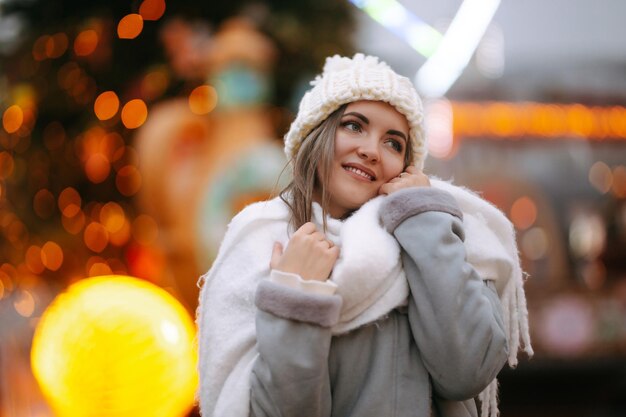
[152,9]
[538,120]
[134,113]
[130,26]
[86,42]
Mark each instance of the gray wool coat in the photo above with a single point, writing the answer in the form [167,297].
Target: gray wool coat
[429,358]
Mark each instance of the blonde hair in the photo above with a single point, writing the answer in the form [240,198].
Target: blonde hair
[316,151]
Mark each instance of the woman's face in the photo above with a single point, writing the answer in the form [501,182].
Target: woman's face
[370,144]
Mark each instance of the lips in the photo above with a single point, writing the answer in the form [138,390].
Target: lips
[360,171]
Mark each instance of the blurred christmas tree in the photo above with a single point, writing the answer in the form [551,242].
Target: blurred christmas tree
[77,78]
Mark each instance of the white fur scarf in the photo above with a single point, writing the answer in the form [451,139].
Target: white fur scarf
[226,316]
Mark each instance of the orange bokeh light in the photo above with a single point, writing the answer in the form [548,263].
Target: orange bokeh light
[56,45]
[106,105]
[128,180]
[523,213]
[130,26]
[96,237]
[52,255]
[43,203]
[134,113]
[13,118]
[74,224]
[112,217]
[32,259]
[99,269]
[619,181]
[97,168]
[152,9]
[24,304]
[601,176]
[86,42]
[121,236]
[69,202]
[203,99]
[39,48]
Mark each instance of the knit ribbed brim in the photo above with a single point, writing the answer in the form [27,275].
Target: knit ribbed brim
[346,80]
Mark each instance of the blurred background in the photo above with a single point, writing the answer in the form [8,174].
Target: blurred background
[132,131]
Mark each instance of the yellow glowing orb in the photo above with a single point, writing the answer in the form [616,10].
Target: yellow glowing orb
[116,346]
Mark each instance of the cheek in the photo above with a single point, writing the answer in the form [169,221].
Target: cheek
[393,168]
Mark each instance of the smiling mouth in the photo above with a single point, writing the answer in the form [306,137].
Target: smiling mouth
[359,172]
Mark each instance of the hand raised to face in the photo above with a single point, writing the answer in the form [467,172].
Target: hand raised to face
[410,177]
[309,254]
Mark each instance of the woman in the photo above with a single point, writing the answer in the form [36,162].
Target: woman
[366,289]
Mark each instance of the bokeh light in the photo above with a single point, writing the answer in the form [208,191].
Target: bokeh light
[152,9]
[116,346]
[128,180]
[86,42]
[618,185]
[535,243]
[99,269]
[24,304]
[587,235]
[203,99]
[130,26]
[52,255]
[32,259]
[97,168]
[96,237]
[43,203]
[39,48]
[523,213]
[69,202]
[74,224]
[601,177]
[12,118]
[112,217]
[106,105]
[121,236]
[134,113]
[56,45]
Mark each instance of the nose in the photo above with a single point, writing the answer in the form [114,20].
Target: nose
[368,150]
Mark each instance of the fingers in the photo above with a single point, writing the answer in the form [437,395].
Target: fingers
[277,253]
[306,229]
[411,177]
[310,230]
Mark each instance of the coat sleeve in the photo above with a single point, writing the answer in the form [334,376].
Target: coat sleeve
[290,376]
[455,316]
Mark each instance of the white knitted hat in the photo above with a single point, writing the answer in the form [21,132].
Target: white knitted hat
[345,80]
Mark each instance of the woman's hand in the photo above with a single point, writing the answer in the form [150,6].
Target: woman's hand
[309,254]
[411,177]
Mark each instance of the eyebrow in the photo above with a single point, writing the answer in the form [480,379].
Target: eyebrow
[367,121]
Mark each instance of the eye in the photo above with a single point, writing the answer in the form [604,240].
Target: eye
[352,126]
[395,144]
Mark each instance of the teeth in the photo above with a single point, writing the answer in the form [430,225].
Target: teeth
[359,172]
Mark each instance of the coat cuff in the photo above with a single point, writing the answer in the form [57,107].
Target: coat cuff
[296,282]
[409,202]
[293,304]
